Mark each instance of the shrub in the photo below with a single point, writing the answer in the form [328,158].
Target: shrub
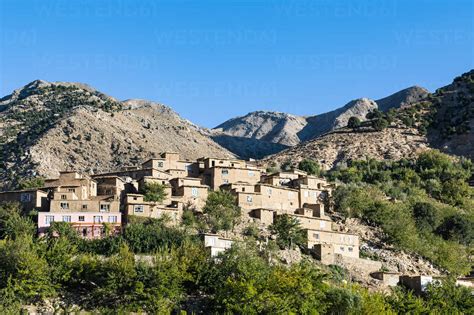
[309,166]
[353,123]
[288,231]
[154,192]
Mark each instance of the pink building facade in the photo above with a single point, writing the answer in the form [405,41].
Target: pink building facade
[89,225]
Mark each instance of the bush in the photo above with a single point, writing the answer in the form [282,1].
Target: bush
[288,231]
[221,212]
[309,166]
[154,192]
[353,123]
[379,124]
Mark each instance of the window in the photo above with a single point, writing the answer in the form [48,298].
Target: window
[226,181]
[269,190]
[104,207]
[322,224]
[351,249]
[160,164]
[316,236]
[194,192]
[251,173]
[71,190]
[64,205]
[84,207]
[138,208]
[213,163]
[81,218]
[98,219]
[66,218]
[49,219]
[24,197]
[225,172]
[249,199]
[135,198]
[113,219]
[243,188]
[63,197]
[342,248]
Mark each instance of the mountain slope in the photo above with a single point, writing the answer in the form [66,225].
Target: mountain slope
[286,130]
[442,120]
[47,127]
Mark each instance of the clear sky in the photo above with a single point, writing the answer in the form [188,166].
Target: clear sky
[213,60]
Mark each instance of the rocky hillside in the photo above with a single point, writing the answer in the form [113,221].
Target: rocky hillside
[338,146]
[275,131]
[442,120]
[47,127]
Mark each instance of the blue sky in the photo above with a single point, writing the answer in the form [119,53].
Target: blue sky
[212,60]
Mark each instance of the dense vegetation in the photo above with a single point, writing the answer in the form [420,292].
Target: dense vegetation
[161,269]
[423,205]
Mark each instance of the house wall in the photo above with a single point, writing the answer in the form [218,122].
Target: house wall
[28,199]
[78,205]
[193,195]
[344,244]
[86,223]
[284,200]
[264,215]
[313,223]
[248,201]
[222,175]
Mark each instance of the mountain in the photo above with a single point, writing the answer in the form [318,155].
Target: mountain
[272,131]
[47,127]
[442,120]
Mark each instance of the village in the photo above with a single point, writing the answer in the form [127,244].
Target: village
[91,202]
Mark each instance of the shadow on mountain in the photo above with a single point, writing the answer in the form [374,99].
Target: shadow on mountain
[246,148]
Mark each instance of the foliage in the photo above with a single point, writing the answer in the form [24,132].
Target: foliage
[12,223]
[36,182]
[221,211]
[309,166]
[406,198]
[379,124]
[153,191]
[288,231]
[353,123]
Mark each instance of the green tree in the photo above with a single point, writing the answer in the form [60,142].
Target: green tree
[309,166]
[221,212]
[288,231]
[379,124]
[353,123]
[154,192]
[13,224]
[25,270]
[457,227]
[36,182]
[426,215]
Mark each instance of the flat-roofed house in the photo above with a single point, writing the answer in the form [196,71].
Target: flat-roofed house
[135,205]
[28,199]
[74,200]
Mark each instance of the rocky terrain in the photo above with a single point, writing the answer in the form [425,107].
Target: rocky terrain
[442,120]
[338,146]
[47,127]
[286,130]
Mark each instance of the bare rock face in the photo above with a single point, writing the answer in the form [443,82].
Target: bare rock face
[270,132]
[272,127]
[403,98]
[341,145]
[446,116]
[48,127]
